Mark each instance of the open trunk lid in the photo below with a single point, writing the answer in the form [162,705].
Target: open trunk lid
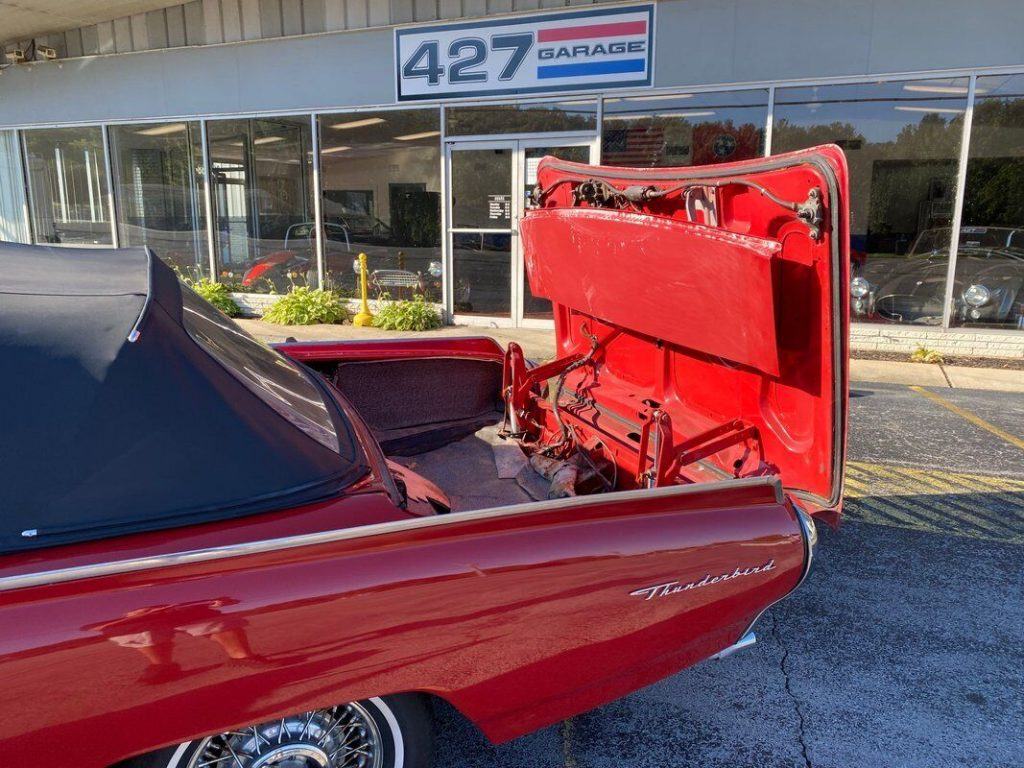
[714,301]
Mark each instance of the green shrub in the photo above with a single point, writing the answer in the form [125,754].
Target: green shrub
[217,294]
[415,315]
[925,355]
[307,306]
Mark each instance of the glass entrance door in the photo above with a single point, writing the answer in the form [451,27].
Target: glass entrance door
[490,183]
[481,226]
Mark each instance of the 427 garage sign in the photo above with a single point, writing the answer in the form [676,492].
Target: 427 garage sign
[603,48]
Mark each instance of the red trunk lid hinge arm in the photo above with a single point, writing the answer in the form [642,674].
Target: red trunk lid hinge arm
[518,381]
[660,426]
[669,459]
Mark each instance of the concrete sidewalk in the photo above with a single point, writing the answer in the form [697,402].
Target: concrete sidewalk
[924,375]
[540,345]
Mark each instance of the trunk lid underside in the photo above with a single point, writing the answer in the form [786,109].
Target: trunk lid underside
[700,316]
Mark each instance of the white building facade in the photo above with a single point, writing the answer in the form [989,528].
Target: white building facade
[265,143]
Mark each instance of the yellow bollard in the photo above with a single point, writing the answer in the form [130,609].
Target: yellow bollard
[365,317]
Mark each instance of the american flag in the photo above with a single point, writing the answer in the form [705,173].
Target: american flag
[639,146]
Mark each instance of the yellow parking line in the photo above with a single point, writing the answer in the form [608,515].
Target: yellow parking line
[971,417]
[940,501]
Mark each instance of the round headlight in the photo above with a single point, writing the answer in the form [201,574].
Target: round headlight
[434,268]
[859,287]
[977,295]
[355,266]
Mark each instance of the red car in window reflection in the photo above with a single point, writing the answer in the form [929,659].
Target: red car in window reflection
[236,556]
[295,262]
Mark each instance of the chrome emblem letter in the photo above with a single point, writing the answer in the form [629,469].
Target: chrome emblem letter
[675,587]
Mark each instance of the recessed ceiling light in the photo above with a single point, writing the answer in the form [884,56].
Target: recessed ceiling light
[162,130]
[660,97]
[358,123]
[673,113]
[943,110]
[333,149]
[268,139]
[688,113]
[958,90]
[414,136]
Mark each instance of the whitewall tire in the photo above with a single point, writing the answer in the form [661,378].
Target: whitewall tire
[382,732]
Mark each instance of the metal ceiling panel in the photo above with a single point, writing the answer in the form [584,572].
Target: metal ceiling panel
[33,18]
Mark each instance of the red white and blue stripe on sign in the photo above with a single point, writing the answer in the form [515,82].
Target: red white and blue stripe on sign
[603,34]
[571,50]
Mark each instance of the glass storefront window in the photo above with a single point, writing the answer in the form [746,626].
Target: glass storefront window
[13,228]
[902,143]
[664,130]
[481,184]
[989,287]
[261,177]
[67,179]
[159,197]
[482,270]
[380,174]
[527,117]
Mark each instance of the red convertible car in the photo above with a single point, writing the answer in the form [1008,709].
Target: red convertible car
[215,553]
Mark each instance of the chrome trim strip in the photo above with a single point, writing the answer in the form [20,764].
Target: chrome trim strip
[373,342]
[377,529]
[809,531]
[318,206]
[746,641]
[135,332]
[958,202]
[108,168]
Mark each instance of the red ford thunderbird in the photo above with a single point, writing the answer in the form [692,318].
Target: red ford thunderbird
[218,554]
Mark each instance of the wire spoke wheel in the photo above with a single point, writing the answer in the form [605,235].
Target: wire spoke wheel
[346,736]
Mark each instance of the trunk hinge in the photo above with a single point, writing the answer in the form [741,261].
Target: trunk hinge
[518,382]
[655,433]
[812,212]
[668,459]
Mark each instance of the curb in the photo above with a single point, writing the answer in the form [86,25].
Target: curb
[941,376]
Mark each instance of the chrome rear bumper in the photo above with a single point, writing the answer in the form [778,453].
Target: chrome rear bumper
[744,642]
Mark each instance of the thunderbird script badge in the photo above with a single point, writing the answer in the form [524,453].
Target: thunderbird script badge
[675,587]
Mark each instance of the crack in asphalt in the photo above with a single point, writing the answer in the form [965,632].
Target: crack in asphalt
[801,723]
[568,735]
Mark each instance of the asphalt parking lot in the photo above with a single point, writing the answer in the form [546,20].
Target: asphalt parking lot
[905,647]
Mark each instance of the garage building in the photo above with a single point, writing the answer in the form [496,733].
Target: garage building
[265,143]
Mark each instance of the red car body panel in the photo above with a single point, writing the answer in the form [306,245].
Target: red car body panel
[519,616]
[519,619]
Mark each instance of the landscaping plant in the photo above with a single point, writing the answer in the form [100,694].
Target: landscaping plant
[414,315]
[307,306]
[217,294]
[925,355]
